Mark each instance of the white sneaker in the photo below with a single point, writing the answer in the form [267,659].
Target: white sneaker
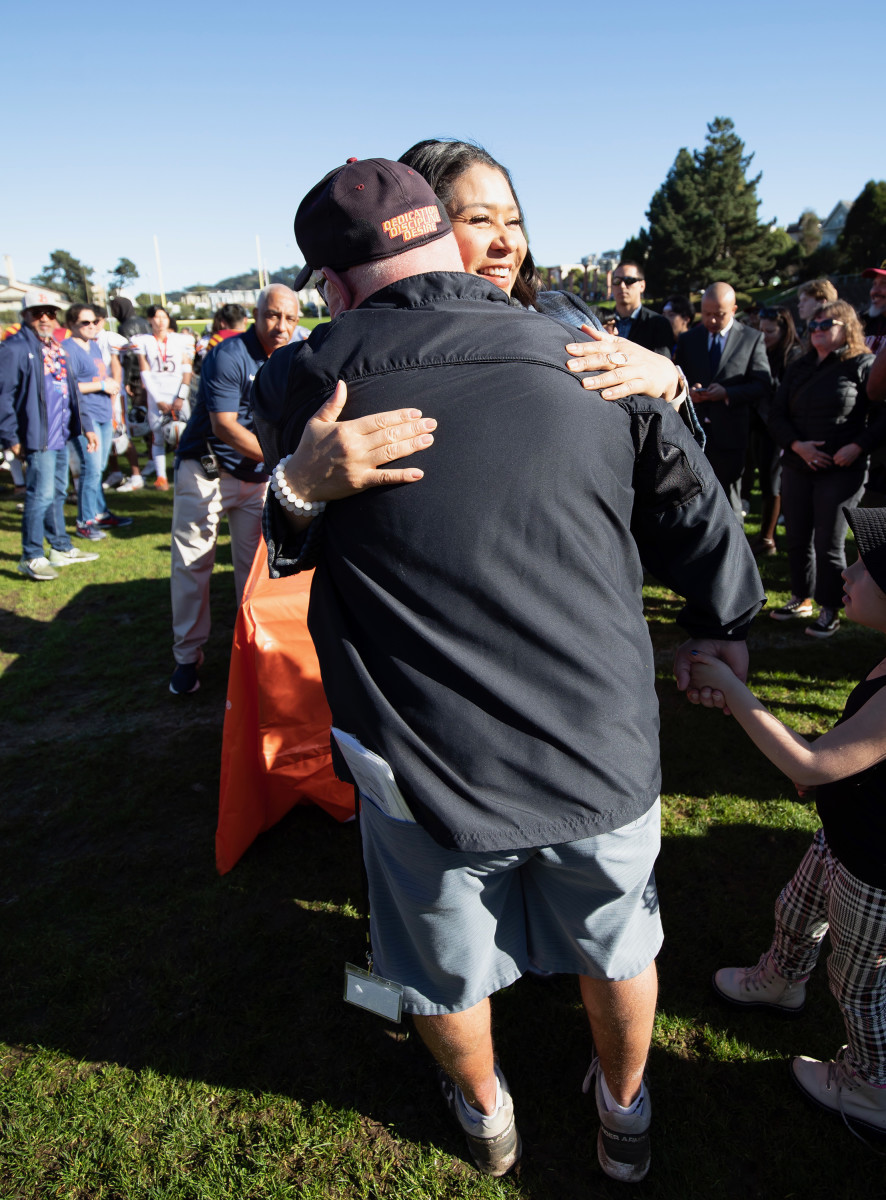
[113,480]
[135,484]
[64,558]
[760,987]
[494,1142]
[623,1145]
[37,568]
[835,1086]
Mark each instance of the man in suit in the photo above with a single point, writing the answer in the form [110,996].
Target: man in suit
[728,370]
[642,325]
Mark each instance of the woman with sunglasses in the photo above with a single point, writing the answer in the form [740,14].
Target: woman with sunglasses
[97,388]
[764,453]
[820,418]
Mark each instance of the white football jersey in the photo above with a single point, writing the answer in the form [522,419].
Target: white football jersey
[172,356]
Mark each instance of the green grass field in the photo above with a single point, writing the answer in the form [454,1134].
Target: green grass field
[169,1034]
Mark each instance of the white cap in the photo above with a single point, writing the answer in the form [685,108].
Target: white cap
[35,298]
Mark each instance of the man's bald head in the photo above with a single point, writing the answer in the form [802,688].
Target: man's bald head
[275,316]
[718,307]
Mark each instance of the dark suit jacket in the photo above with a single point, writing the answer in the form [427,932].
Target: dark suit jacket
[743,372]
[652,330]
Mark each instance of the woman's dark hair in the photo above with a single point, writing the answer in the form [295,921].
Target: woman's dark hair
[73,313]
[783,351]
[682,306]
[441,162]
[153,309]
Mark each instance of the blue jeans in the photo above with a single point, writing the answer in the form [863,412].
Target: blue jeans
[44,516]
[91,500]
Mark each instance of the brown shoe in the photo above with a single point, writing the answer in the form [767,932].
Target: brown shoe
[161,484]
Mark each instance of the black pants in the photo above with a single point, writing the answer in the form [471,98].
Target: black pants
[815,528]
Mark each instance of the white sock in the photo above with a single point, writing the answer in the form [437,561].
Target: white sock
[159,461]
[474,1114]
[614,1106]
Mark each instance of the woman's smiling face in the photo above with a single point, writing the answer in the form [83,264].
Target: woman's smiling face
[486,223]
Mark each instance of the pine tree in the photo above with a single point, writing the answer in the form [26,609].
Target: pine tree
[703,223]
[863,238]
[680,230]
[742,249]
[124,272]
[67,275]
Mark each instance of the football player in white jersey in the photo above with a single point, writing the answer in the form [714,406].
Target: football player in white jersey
[165,361]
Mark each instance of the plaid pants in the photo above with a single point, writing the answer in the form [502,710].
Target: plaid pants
[823,895]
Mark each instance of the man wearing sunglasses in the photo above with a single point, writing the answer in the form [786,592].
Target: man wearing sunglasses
[39,415]
[642,325]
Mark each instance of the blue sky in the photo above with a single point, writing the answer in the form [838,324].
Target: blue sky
[206,124]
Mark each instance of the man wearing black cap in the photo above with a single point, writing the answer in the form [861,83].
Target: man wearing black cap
[483,646]
[39,415]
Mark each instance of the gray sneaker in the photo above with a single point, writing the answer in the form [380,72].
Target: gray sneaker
[623,1146]
[760,987]
[64,558]
[835,1086]
[494,1142]
[37,568]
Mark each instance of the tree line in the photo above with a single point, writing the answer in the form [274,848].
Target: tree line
[703,225]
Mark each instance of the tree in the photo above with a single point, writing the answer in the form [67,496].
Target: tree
[680,236]
[742,247]
[810,232]
[862,241]
[703,222]
[636,250]
[787,254]
[67,275]
[124,271]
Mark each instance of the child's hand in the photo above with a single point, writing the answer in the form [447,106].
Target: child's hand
[711,676]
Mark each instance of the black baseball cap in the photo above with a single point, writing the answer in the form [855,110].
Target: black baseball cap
[369,209]
[869,527]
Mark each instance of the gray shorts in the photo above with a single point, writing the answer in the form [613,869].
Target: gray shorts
[453,927]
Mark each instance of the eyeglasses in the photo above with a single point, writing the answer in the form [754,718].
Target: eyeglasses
[826,323]
[320,284]
[94,321]
[48,311]
[627,280]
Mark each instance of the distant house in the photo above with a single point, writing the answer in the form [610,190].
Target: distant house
[830,228]
[832,225]
[12,290]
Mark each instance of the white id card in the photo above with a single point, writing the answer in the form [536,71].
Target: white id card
[373,776]
[377,995]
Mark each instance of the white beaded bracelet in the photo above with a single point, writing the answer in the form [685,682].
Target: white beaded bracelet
[286,496]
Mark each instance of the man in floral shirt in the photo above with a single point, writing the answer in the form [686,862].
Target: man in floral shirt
[39,414]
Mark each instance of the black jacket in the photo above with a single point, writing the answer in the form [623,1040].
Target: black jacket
[826,401]
[483,629]
[743,372]
[652,330]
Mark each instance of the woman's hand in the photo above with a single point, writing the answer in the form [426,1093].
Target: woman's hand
[335,459]
[817,459]
[630,370]
[847,455]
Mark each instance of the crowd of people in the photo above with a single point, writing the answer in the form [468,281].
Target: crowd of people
[479,619]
